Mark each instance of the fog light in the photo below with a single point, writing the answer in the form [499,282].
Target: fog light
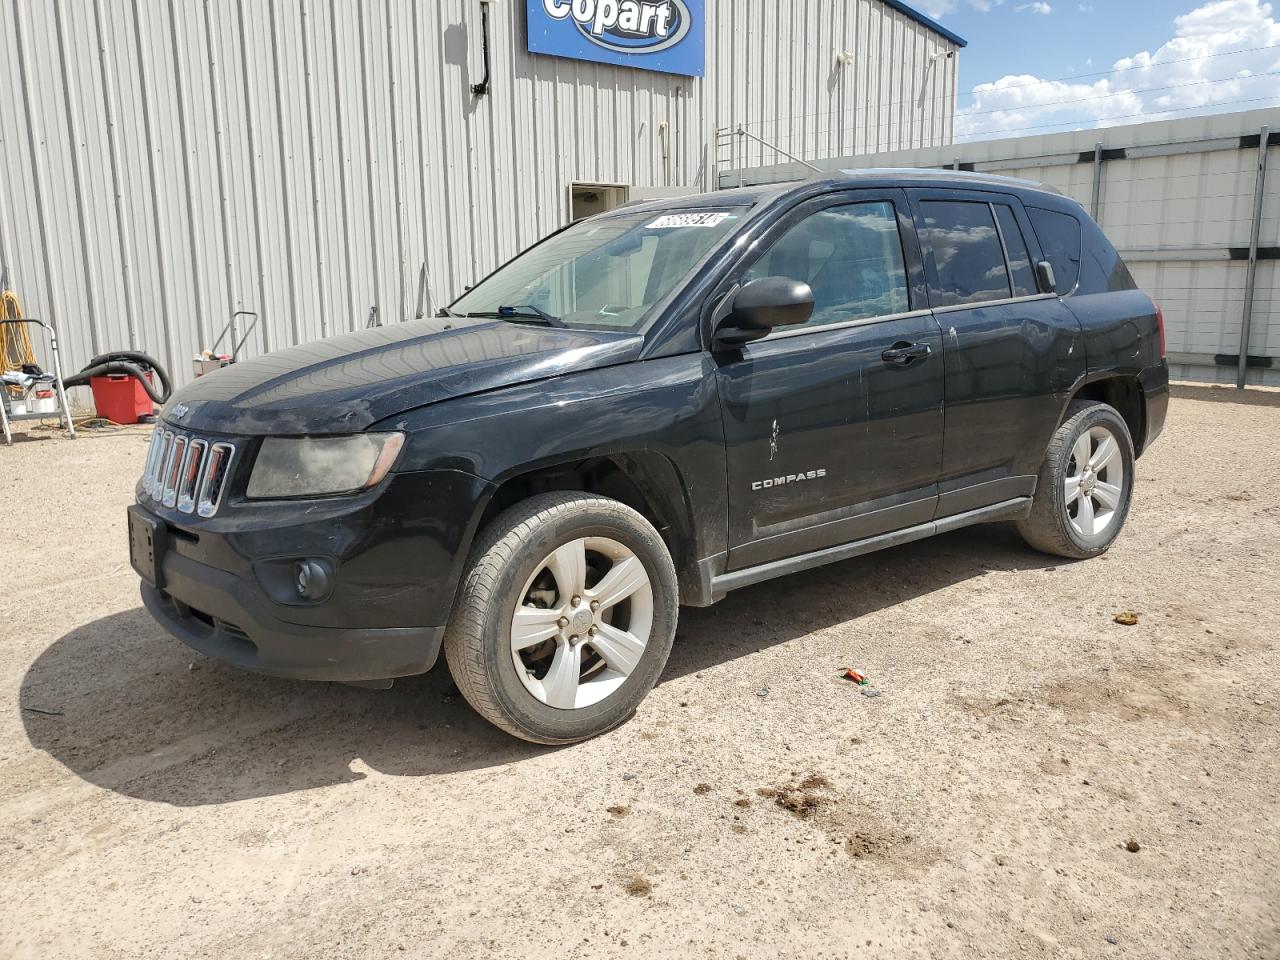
[311,579]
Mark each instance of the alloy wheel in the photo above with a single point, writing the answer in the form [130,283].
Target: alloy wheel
[1094,485]
[582,623]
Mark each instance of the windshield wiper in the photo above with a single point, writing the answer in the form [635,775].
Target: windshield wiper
[522,312]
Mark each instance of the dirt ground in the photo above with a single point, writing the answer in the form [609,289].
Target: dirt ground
[157,804]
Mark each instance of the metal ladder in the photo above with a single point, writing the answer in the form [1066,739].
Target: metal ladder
[63,411]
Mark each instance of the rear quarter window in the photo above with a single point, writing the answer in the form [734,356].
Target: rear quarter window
[1101,268]
[1059,235]
[1084,261]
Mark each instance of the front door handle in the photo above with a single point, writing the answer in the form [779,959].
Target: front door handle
[903,354]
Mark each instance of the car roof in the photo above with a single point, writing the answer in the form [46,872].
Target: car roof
[763,195]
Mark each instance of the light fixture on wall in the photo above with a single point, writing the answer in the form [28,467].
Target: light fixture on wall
[843,58]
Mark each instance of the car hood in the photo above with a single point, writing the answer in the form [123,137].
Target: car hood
[346,383]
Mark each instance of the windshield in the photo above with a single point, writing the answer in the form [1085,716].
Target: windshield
[604,273]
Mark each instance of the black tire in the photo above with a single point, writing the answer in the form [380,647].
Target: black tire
[507,553]
[1049,527]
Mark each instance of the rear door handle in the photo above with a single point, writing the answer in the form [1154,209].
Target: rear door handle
[904,354]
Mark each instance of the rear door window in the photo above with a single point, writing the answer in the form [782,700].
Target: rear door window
[1015,247]
[1059,235]
[961,238]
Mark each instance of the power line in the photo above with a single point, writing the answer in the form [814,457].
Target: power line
[790,136]
[988,89]
[1149,114]
[1118,93]
[1106,73]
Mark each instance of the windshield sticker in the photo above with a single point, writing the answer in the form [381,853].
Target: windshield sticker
[673,220]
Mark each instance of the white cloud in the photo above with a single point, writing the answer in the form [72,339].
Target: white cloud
[1210,64]
[1038,7]
[940,8]
[937,8]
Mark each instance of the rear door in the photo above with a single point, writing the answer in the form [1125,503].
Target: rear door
[1011,354]
[834,429]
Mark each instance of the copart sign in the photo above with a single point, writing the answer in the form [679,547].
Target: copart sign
[664,35]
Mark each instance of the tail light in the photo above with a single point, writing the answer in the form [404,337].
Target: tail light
[1164,348]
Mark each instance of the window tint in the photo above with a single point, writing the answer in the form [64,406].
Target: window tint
[1059,235]
[969,261]
[852,258]
[1015,245]
[1101,269]
[605,273]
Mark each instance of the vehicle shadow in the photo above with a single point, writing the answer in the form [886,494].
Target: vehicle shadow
[774,612]
[127,708]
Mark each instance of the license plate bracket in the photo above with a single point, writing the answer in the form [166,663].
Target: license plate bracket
[147,542]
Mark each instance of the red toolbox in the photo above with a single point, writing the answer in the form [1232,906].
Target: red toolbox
[121,398]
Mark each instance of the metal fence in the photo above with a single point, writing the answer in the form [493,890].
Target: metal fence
[1189,203]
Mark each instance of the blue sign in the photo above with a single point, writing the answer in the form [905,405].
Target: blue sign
[668,36]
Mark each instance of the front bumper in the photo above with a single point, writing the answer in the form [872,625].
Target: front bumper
[212,619]
[223,584]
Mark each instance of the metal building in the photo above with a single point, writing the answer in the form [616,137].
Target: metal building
[1193,205]
[333,163]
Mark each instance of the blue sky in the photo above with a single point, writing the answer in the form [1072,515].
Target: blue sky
[1048,65]
[999,40]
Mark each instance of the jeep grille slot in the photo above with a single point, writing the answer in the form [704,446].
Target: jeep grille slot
[191,474]
[154,451]
[177,450]
[186,472]
[215,478]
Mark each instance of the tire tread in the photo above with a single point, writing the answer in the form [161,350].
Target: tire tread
[1044,528]
[496,548]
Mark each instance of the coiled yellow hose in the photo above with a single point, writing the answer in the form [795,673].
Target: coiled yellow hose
[15,339]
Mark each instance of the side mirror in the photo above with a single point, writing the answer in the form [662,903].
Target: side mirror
[761,305]
[1045,279]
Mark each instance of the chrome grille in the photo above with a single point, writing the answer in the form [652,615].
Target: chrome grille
[189,473]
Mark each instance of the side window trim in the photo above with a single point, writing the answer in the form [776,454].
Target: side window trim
[1004,248]
[956,307]
[783,333]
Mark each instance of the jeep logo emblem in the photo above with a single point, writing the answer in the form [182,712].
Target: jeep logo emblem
[626,26]
[180,411]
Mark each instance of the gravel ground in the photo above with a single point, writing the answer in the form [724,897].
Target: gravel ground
[1033,779]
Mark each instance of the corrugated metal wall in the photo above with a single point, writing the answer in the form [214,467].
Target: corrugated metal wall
[1179,206]
[165,162]
[778,77]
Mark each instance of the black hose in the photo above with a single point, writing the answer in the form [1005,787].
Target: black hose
[143,361]
[81,379]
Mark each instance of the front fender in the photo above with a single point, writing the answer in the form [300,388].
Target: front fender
[640,415]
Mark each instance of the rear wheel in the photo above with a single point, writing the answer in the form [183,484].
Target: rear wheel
[565,618]
[1085,485]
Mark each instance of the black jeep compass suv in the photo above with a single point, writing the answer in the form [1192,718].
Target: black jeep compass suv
[648,408]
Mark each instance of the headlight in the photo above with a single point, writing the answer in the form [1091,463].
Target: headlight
[321,466]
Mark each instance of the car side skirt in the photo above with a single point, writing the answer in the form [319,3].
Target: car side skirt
[1005,510]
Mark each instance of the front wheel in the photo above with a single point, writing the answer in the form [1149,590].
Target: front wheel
[565,617]
[1085,484]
